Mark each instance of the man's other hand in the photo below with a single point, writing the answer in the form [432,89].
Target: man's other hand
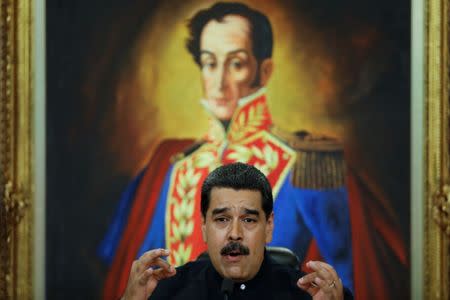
[323,283]
[144,278]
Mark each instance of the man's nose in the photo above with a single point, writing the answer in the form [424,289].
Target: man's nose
[221,78]
[235,233]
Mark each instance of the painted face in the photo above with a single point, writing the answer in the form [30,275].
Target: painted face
[236,230]
[227,63]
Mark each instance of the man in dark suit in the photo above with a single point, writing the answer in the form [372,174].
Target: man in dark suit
[237,223]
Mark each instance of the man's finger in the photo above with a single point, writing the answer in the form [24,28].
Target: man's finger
[153,254]
[148,258]
[163,273]
[307,284]
[316,265]
[322,270]
[323,280]
[161,263]
[327,278]
[143,279]
[324,285]
[307,279]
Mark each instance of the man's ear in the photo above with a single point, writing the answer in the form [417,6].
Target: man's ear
[269,228]
[204,230]
[265,71]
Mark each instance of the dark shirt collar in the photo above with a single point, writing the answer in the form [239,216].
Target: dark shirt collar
[215,279]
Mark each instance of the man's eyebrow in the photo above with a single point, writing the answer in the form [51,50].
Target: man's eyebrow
[206,52]
[228,53]
[238,51]
[217,211]
[249,211]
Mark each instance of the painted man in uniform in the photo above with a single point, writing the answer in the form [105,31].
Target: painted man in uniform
[232,45]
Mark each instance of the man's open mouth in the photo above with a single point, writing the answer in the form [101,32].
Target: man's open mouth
[234,253]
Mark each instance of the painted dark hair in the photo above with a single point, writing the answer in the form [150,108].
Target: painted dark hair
[260,28]
[238,176]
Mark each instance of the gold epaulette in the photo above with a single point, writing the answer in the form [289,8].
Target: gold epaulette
[320,160]
[191,148]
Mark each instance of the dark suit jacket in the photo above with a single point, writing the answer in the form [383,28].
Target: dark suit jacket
[199,280]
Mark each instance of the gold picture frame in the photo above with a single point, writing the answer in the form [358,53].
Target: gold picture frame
[436,246]
[17,149]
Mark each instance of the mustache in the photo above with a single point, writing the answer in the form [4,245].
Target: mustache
[235,247]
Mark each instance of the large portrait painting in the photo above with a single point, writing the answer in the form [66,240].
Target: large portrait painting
[145,99]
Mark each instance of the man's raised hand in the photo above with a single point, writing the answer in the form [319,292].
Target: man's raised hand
[144,278]
[323,283]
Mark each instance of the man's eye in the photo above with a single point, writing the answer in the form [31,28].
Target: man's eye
[236,64]
[249,220]
[208,65]
[221,220]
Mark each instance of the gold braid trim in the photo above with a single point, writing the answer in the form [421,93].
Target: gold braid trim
[247,122]
[320,160]
[182,196]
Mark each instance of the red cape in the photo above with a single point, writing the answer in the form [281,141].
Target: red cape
[380,259]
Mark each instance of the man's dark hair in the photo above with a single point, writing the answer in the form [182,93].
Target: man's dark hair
[260,28]
[237,176]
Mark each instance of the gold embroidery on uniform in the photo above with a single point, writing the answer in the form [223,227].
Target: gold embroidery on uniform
[206,159]
[183,204]
[182,254]
[240,153]
[268,155]
[189,173]
[216,132]
[270,158]
[249,123]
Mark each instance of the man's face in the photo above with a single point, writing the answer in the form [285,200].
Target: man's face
[228,65]
[236,217]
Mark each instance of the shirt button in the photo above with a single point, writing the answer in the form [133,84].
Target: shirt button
[242,286]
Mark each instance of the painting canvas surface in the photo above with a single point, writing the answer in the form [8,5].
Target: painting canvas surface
[124,101]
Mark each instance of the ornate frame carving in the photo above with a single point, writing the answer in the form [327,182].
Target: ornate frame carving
[437,132]
[17,148]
